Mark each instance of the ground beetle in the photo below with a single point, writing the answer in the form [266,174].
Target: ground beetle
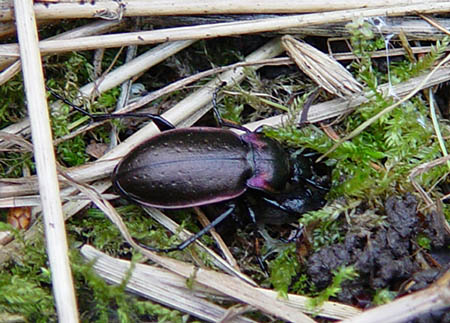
[187,167]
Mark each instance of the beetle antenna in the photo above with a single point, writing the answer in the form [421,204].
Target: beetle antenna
[160,122]
[190,240]
[76,107]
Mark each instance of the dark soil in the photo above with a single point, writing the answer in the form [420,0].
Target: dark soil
[387,257]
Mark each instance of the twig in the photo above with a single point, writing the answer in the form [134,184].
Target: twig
[159,285]
[57,249]
[435,24]
[137,66]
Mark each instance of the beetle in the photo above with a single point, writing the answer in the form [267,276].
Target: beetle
[201,165]
[197,166]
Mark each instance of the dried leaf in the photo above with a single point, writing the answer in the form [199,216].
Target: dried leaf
[325,71]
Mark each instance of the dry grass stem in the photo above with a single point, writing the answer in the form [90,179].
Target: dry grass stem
[70,208]
[435,297]
[415,28]
[157,284]
[12,65]
[223,29]
[367,123]
[134,67]
[57,249]
[419,170]
[217,238]
[125,72]
[436,24]
[184,234]
[334,108]
[145,279]
[113,10]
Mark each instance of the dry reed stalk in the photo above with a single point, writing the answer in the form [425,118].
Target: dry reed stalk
[57,249]
[12,65]
[114,9]
[435,297]
[382,53]
[223,29]
[159,285]
[203,219]
[415,28]
[135,67]
[148,280]
[14,249]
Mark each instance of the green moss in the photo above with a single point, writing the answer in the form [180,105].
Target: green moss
[25,286]
[383,296]
[283,268]
[339,276]
[377,162]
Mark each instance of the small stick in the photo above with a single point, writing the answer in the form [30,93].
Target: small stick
[55,234]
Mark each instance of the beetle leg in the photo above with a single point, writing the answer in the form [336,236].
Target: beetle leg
[256,248]
[223,122]
[294,237]
[190,240]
